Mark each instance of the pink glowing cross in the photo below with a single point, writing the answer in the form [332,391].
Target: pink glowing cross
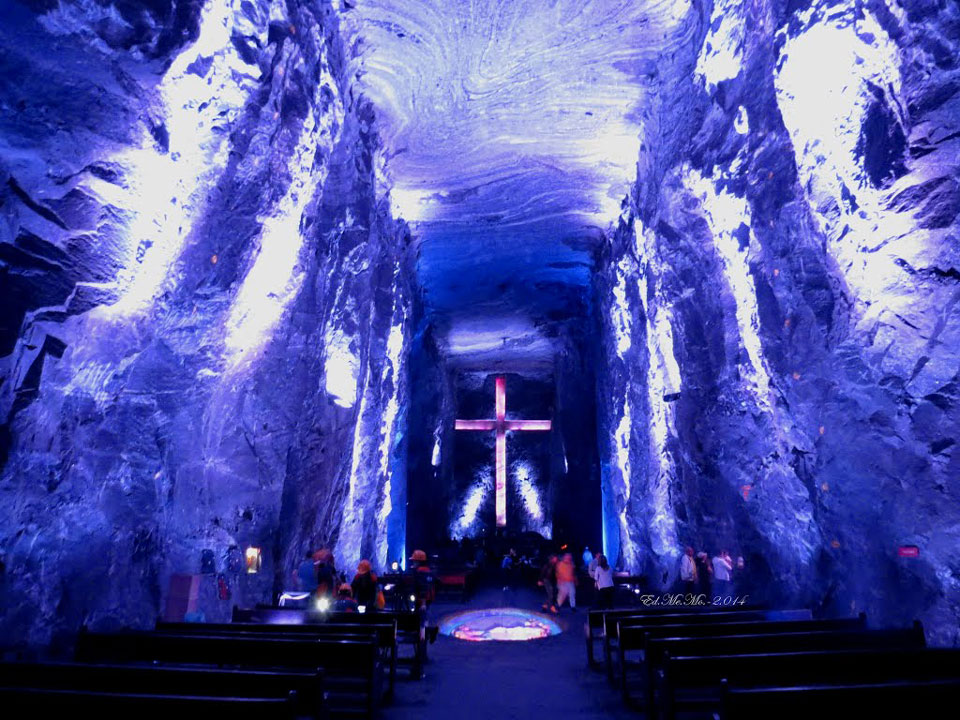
[501,425]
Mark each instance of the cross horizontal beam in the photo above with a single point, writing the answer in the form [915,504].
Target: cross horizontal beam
[475,424]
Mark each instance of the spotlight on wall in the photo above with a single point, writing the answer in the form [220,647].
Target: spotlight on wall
[394,566]
[253,558]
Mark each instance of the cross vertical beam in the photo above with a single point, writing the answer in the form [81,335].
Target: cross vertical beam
[501,457]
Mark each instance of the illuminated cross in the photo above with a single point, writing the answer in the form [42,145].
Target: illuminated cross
[501,425]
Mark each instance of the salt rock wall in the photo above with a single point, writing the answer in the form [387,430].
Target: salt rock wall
[781,309]
[204,308]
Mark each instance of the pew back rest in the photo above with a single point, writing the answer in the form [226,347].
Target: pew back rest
[911,639]
[165,680]
[44,701]
[635,637]
[354,656]
[406,622]
[385,632]
[812,667]
[706,617]
[887,700]
[609,618]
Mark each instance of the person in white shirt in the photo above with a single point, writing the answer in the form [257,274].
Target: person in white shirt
[603,577]
[688,571]
[722,573]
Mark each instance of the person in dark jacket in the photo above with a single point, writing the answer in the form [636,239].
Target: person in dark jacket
[548,580]
[420,577]
[307,574]
[326,574]
[365,586]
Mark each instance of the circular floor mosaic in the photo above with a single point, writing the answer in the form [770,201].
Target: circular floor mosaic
[498,624]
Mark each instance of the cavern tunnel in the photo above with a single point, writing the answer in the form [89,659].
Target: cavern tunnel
[385,276]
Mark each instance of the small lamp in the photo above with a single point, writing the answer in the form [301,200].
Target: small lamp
[252,555]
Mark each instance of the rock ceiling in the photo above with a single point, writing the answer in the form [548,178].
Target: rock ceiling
[512,133]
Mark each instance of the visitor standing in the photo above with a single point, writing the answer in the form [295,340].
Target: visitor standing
[588,560]
[510,570]
[326,573]
[688,571]
[722,573]
[307,574]
[603,577]
[704,572]
[365,586]
[548,579]
[420,576]
[567,582]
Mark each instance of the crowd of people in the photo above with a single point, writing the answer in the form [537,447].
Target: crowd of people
[318,577]
[702,575]
[558,578]
[559,575]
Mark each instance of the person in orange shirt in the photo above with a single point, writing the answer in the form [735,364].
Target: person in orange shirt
[567,582]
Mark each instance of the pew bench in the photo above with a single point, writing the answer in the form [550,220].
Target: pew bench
[694,683]
[636,678]
[881,700]
[165,680]
[384,633]
[659,649]
[351,666]
[594,624]
[411,628]
[44,701]
[611,629]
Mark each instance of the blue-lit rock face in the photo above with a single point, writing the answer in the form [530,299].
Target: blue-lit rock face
[732,228]
[781,310]
[205,308]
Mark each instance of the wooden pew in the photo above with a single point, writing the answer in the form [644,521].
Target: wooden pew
[658,649]
[384,633]
[593,627]
[608,619]
[880,700]
[634,639]
[694,683]
[612,623]
[411,627]
[351,666]
[163,680]
[41,702]
[908,638]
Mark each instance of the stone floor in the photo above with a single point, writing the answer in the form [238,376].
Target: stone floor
[537,680]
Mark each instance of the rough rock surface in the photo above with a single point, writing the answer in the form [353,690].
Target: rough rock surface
[781,308]
[217,331]
[205,308]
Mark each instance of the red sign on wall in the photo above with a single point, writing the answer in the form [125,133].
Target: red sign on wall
[910,551]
